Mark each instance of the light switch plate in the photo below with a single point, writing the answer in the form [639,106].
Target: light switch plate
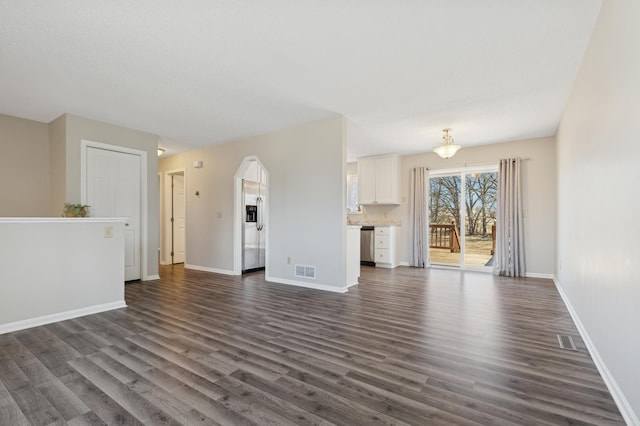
[108,231]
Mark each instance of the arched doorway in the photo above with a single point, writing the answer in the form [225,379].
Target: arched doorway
[251,216]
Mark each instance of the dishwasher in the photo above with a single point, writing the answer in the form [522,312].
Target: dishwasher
[367,248]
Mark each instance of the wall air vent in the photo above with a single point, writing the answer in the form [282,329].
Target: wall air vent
[306,271]
[566,342]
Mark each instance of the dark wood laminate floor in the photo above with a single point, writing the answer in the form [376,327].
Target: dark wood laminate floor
[406,346]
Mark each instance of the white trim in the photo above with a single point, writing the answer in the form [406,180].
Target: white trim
[352,284]
[385,265]
[144,216]
[538,275]
[60,316]
[314,286]
[489,168]
[467,268]
[618,396]
[62,219]
[144,197]
[403,264]
[445,267]
[153,277]
[207,269]
[455,267]
[165,253]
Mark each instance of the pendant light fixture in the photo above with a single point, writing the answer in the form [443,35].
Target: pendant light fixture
[160,151]
[448,149]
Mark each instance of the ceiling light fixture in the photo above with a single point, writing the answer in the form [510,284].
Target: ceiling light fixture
[160,152]
[447,149]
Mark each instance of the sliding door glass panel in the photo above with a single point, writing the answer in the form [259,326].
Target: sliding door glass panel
[480,217]
[444,217]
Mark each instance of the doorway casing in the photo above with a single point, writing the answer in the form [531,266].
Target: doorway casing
[166,213]
[144,207]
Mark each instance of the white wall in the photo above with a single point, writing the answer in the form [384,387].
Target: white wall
[57,165]
[24,167]
[598,260]
[55,269]
[539,189]
[306,205]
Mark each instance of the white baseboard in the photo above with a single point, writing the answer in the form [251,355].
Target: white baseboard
[537,275]
[207,269]
[386,265]
[304,284]
[61,316]
[151,277]
[621,401]
[404,264]
[352,284]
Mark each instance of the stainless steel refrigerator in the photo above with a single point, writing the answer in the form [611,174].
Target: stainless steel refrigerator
[253,243]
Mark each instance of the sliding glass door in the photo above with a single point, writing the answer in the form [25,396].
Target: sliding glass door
[444,220]
[462,213]
[480,203]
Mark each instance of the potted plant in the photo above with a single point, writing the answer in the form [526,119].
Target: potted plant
[75,210]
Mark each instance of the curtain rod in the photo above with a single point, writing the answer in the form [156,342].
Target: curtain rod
[491,164]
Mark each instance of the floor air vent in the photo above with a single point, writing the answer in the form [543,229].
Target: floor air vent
[305,271]
[566,342]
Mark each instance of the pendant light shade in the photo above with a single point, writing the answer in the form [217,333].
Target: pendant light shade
[447,149]
[160,152]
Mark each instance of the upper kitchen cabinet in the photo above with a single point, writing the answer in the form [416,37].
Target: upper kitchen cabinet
[379,179]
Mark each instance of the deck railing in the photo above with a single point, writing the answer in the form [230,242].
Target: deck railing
[444,236]
[493,239]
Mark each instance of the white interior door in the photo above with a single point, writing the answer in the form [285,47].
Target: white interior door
[178,219]
[113,190]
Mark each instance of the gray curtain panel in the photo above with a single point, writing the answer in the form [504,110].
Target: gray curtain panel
[419,217]
[509,255]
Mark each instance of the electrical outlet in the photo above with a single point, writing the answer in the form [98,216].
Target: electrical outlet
[219,214]
[108,231]
[289,260]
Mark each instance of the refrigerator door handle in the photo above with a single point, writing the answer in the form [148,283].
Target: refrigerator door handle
[260,223]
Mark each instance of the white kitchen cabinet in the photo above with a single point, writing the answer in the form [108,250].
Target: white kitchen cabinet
[385,246]
[379,180]
[366,181]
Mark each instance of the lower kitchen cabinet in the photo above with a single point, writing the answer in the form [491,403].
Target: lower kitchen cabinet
[353,255]
[385,246]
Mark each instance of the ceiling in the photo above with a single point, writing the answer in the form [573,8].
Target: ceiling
[203,72]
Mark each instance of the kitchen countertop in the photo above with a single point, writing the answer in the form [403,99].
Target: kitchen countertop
[374,222]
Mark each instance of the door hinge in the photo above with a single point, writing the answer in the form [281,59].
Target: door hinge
[171,254]
[171,220]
